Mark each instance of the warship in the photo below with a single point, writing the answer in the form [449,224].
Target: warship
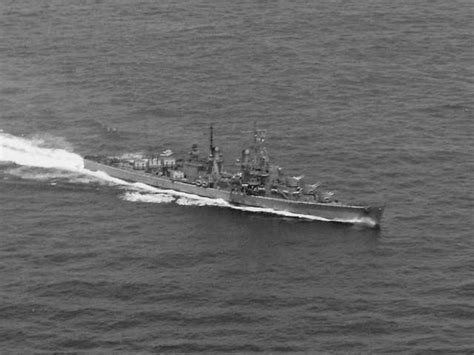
[254,183]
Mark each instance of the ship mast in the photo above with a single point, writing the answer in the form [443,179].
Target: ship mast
[215,158]
[211,141]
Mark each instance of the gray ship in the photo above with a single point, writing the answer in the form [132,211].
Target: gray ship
[257,183]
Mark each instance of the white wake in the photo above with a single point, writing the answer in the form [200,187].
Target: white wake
[33,152]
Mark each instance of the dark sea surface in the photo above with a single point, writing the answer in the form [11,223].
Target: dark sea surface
[373,98]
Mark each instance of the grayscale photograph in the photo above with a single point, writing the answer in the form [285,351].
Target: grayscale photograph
[267,176]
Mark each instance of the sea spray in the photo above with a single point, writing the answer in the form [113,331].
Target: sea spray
[42,151]
[147,197]
[30,152]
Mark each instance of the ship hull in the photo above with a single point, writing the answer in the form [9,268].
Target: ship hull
[334,212]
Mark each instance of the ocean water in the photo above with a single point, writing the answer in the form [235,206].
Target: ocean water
[372,98]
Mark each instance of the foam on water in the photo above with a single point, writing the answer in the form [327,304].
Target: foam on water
[39,152]
[31,152]
[193,200]
[42,174]
[150,198]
